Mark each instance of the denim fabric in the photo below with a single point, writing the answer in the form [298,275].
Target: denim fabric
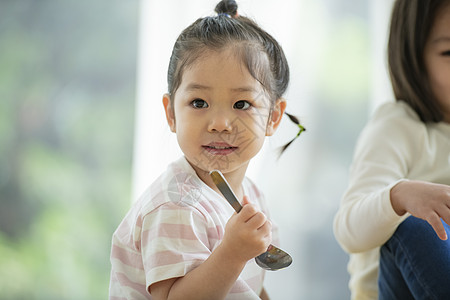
[415,263]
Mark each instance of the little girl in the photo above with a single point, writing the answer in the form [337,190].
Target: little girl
[181,239]
[394,216]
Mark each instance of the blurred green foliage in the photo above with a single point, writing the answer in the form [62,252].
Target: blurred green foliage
[67,95]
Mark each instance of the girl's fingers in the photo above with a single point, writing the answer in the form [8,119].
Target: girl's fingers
[435,221]
[245,201]
[251,215]
[445,216]
[267,229]
[257,220]
[247,212]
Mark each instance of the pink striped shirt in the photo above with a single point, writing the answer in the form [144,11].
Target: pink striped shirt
[172,228]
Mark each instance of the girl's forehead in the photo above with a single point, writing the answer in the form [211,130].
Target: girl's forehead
[219,66]
[224,55]
[222,72]
[237,68]
[440,29]
[442,19]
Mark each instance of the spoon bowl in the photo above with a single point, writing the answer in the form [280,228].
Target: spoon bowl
[273,259]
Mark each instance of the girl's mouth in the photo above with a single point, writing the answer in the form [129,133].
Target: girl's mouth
[219,148]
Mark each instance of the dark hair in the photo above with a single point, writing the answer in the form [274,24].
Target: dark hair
[259,51]
[411,23]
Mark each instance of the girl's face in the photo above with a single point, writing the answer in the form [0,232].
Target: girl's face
[221,114]
[437,59]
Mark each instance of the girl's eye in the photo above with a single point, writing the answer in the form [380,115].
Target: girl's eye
[242,104]
[446,53]
[199,103]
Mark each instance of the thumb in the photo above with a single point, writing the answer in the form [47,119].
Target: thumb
[245,201]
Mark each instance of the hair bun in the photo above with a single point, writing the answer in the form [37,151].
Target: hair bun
[228,7]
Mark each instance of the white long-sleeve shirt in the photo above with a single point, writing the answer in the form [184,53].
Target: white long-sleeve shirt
[394,146]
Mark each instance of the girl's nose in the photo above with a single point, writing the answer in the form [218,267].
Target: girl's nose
[220,122]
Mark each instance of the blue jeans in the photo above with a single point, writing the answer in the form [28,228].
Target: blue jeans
[415,263]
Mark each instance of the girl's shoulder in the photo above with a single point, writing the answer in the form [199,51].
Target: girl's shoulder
[398,111]
[394,128]
[178,185]
[394,120]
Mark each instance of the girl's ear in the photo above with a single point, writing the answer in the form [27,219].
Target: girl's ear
[170,115]
[276,116]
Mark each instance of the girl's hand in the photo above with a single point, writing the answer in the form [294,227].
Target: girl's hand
[424,200]
[248,233]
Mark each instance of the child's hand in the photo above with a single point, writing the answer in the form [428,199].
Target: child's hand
[424,200]
[248,233]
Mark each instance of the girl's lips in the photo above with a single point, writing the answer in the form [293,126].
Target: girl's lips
[219,148]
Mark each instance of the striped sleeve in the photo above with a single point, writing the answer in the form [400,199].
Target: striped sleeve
[174,240]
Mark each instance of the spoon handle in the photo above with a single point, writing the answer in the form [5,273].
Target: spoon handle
[223,186]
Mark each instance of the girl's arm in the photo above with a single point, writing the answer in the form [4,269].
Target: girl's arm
[247,235]
[213,279]
[386,149]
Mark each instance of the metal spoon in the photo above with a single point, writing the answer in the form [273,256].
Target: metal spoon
[274,258]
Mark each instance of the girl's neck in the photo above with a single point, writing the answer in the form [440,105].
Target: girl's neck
[234,179]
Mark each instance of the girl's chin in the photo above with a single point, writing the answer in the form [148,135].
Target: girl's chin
[206,162]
